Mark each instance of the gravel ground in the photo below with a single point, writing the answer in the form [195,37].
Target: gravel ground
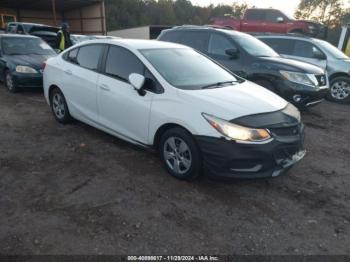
[75,190]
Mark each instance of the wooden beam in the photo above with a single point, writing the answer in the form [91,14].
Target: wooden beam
[53,3]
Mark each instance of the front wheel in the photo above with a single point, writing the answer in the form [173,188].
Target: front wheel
[340,90]
[180,154]
[59,106]
[9,83]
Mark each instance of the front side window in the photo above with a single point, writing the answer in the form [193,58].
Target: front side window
[121,63]
[254,46]
[272,15]
[89,56]
[218,44]
[25,46]
[186,69]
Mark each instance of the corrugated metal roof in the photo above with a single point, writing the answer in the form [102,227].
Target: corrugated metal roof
[61,5]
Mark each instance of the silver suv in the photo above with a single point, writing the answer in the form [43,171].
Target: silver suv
[317,52]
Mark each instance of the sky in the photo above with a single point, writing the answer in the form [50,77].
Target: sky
[287,6]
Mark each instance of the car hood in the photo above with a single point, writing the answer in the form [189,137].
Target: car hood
[234,101]
[32,60]
[280,63]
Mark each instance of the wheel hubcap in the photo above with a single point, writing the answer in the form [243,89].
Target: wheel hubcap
[9,82]
[58,106]
[340,90]
[177,155]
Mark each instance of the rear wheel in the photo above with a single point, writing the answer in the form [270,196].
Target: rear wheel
[9,83]
[340,90]
[59,107]
[180,154]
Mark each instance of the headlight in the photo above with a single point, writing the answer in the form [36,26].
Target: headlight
[236,132]
[25,70]
[300,78]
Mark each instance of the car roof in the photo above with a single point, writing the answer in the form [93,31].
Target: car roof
[135,43]
[286,36]
[206,28]
[17,36]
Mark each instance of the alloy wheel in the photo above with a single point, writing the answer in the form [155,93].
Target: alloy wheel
[58,106]
[340,90]
[177,155]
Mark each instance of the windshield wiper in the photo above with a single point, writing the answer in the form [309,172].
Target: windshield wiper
[219,84]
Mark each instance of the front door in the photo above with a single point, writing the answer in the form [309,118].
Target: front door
[122,109]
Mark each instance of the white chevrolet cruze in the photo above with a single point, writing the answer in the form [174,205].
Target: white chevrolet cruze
[198,115]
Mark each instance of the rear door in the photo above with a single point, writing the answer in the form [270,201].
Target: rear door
[80,80]
[122,109]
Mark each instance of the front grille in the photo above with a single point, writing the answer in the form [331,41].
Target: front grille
[286,152]
[321,80]
[286,131]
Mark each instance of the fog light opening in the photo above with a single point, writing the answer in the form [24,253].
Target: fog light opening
[297,98]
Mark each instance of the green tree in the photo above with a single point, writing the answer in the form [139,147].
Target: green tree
[328,12]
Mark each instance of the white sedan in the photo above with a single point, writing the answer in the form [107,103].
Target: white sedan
[195,113]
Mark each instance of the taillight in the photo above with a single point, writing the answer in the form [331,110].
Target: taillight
[43,66]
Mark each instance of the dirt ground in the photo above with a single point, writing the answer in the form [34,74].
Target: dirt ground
[75,190]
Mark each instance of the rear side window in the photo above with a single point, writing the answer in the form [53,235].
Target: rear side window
[218,44]
[281,46]
[195,39]
[305,49]
[121,63]
[171,36]
[89,56]
[255,15]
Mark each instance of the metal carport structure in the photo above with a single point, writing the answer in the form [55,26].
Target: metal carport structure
[84,16]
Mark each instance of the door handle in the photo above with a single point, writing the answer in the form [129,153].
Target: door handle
[105,87]
[68,72]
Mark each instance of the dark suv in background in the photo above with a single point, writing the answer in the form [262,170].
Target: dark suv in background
[300,83]
[316,52]
[45,32]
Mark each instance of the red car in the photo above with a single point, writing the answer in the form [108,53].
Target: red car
[272,21]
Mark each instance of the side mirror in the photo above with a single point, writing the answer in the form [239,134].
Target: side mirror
[232,52]
[138,81]
[319,55]
[280,19]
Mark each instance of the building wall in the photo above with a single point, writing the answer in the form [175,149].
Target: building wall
[86,20]
[133,33]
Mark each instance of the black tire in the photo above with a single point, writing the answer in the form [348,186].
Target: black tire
[59,106]
[9,83]
[267,84]
[193,155]
[337,91]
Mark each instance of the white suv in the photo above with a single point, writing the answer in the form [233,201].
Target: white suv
[196,113]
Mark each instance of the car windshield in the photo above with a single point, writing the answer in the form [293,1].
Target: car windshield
[335,52]
[187,69]
[254,46]
[25,46]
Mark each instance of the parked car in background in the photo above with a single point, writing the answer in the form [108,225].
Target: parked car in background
[21,60]
[300,83]
[45,32]
[320,53]
[172,98]
[273,21]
